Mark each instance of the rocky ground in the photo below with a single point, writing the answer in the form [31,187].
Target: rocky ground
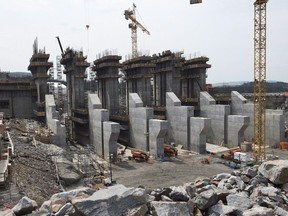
[35,175]
[249,192]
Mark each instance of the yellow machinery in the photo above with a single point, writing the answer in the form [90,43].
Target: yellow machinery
[259,77]
[131,14]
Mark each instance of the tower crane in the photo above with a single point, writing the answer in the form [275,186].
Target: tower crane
[131,14]
[259,76]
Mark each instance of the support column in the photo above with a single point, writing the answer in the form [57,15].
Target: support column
[157,132]
[111,132]
[199,128]
[139,119]
[178,117]
[236,128]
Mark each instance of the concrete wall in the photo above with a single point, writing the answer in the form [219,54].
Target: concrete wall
[274,120]
[59,131]
[218,115]
[111,132]
[199,128]
[178,118]
[157,132]
[139,117]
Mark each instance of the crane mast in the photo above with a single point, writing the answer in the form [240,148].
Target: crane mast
[131,14]
[259,77]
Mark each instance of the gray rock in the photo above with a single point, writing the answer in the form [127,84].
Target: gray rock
[276,171]
[179,194]
[24,206]
[68,173]
[245,179]
[259,180]
[165,199]
[236,180]
[67,196]
[206,199]
[170,208]
[67,209]
[190,189]
[239,200]
[205,188]
[258,211]
[265,202]
[191,206]
[157,193]
[236,173]
[219,209]
[140,210]
[222,194]
[249,188]
[115,200]
[270,191]
[45,209]
[221,176]
[280,211]
[250,172]
[201,182]
[222,184]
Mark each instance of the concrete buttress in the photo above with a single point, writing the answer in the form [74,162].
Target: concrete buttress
[199,128]
[157,132]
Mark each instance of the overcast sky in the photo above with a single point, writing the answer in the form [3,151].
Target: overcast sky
[219,29]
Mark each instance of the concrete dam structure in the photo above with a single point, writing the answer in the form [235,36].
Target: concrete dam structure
[161,99]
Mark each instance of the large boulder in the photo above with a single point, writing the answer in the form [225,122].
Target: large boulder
[240,200]
[179,194]
[60,199]
[170,208]
[115,200]
[24,206]
[276,171]
[68,173]
[206,199]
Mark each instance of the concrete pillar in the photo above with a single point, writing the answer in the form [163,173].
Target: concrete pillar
[111,132]
[236,128]
[178,118]
[218,115]
[199,128]
[99,116]
[139,122]
[157,132]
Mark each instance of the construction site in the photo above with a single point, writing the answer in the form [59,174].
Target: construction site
[148,120]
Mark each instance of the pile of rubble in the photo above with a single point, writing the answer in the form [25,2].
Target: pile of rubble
[249,192]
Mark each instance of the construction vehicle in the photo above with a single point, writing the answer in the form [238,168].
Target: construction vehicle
[131,14]
[259,76]
[170,151]
[229,155]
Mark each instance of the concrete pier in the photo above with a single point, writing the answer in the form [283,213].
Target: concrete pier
[236,128]
[139,117]
[138,74]
[178,117]
[199,128]
[157,132]
[107,69]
